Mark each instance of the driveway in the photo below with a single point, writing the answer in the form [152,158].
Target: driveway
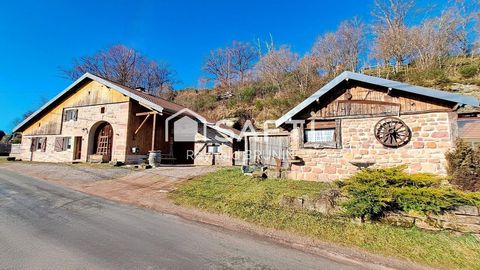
[45,226]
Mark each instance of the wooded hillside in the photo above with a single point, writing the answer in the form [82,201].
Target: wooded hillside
[264,80]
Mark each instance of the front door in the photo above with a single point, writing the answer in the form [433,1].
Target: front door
[77,149]
[104,140]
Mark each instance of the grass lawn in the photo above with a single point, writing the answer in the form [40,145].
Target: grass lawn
[258,201]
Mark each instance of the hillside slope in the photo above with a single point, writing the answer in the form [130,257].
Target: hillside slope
[261,101]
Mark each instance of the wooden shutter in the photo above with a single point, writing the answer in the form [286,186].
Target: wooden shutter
[59,144]
[44,144]
[75,115]
[64,115]
[338,133]
[33,145]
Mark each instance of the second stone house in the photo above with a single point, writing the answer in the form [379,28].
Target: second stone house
[357,121]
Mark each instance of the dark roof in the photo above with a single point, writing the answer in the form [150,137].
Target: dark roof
[167,105]
[394,85]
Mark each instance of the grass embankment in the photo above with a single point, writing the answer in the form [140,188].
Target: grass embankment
[258,201]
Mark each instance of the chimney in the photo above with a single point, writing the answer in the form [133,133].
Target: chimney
[140,88]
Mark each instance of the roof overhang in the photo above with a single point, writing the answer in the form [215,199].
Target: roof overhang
[227,131]
[92,77]
[389,84]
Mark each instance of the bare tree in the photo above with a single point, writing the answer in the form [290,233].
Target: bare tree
[351,41]
[243,57]
[125,66]
[431,42]
[462,14]
[326,52]
[219,65]
[436,38]
[391,13]
[276,64]
[307,70]
[392,34]
[477,26]
[230,65]
[339,51]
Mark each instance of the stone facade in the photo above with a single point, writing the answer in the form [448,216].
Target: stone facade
[433,134]
[224,157]
[89,117]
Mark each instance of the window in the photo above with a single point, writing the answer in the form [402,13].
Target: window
[102,110]
[212,149]
[322,134]
[70,115]
[67,145]
[38,144]
[63,144]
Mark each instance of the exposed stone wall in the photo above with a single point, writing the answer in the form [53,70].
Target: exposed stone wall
[465,219]
[88,118]
[433,134]
[225,150]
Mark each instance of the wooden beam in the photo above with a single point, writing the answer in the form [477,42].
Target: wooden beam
[145,113]
[141,125]
[153,131]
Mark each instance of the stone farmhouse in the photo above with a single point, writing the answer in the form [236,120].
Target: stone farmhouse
[95,119]
[357,121]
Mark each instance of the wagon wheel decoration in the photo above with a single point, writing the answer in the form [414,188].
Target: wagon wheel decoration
[392,132]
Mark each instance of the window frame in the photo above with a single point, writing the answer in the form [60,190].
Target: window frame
[70,115]
[214,146]
[38,144]
[63,144]
[67,143]
[335,125]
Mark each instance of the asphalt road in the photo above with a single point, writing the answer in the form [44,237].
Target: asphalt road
[44,226]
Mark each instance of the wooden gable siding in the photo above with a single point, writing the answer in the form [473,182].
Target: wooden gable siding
[362,101]
[92,93]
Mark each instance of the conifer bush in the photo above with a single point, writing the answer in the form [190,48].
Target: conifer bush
[463,166]
[371,193]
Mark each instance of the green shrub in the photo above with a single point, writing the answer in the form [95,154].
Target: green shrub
[428,200]
[469,71]
[247,94]
[463,166]
[373,192]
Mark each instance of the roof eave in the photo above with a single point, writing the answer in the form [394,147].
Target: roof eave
[26,120]
[225,131]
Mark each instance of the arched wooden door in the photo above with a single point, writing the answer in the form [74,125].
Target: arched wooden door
[104,141]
